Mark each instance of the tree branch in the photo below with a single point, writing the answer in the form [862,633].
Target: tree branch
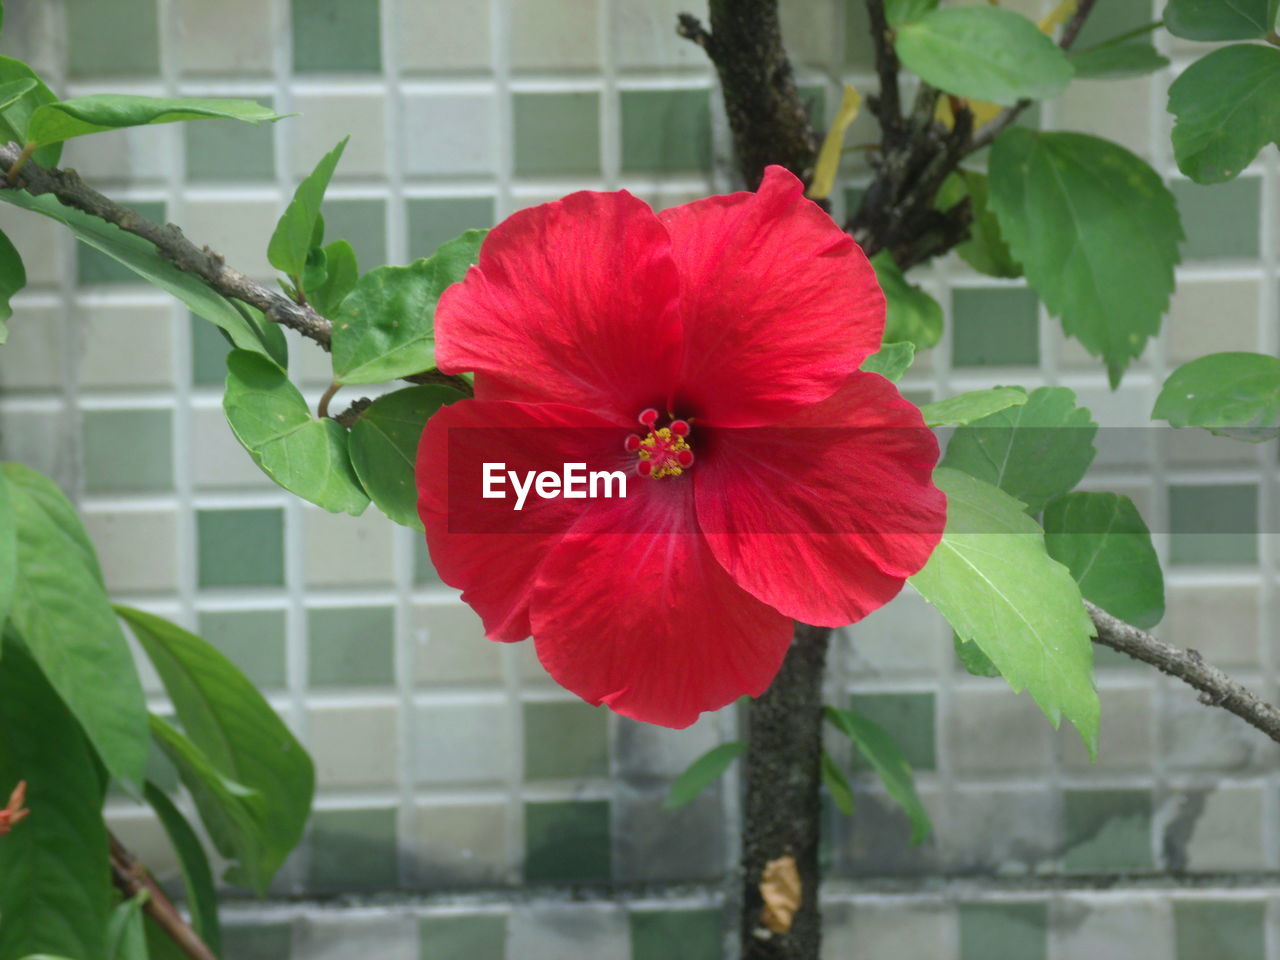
[131,878]
[770,122]
[169,241]
[1001,123]
[1216,688]
[886,104]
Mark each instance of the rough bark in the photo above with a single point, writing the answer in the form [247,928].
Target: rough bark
[783,808]
[770,122]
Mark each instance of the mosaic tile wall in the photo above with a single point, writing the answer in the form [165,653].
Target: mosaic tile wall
[449,764]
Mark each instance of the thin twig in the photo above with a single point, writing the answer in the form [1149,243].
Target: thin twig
[322,410]
[988,134]
[886,104]
[170,243]
[131,878]
[1216,688]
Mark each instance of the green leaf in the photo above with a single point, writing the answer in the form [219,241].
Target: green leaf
[81,116]
[1036,451]
[341,274]
[972,658]
[385,328]
[985,250]
[1226,108]
[8,551]
[384,448]
[703,772]
[891,361]
[13,277]
[971,406]
[911,315]
[236,729]
[126,935]
[160,945]
[984,53]
[270,418]
[14,90]
[1101,539]
[1232,394]
[1096,232]
[1220,19]
[291,242]
[55,895]
[61,611]
[316,270]
[197,876]
[837,785]
[886,758]
[1111,61]
[141,257]
[15,117]
[901,12]
[233,814]
[993,580]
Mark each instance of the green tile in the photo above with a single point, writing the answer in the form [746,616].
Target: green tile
[557,133]
[1214,523]
[1111,19]
[241,548]
[1222,221]
[907,717]
[94,267]
[340,35]
[994,327]
[363,224]
[567,842]
[209,349]
[251,639]
[666,130]
[227,150]
[481,936]
[257,941]
[433,220]
[353,850]
[127,450]
[1003,931]
[675,935]
[859,51]
[814,98]
[565,740]
[1107,830]
[120,38]
[1218,930]
[351,646]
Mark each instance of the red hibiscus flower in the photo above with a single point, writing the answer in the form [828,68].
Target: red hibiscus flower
[711,353]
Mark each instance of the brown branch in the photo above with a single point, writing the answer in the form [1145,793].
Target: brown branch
[1006,118]
[783,810]
[170,243]
[1216,688]
[886,104]
[132,878]
[769,120]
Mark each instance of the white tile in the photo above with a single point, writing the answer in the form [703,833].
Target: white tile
[138,549]
[328,117]
[354,746]
[448,134]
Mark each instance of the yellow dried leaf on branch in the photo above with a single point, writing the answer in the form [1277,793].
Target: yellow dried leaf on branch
[781,892]
[824,172]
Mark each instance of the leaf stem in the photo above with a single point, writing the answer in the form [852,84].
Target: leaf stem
[1127,35]
[322,410]
[132,878]
[20,162]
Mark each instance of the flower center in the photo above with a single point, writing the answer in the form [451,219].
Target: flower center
[664,451]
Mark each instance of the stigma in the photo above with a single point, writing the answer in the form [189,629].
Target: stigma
[664,451]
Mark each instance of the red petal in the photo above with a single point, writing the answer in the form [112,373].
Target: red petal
[633,611]
[483,546]
[574,301]
[780,305]
[824,515]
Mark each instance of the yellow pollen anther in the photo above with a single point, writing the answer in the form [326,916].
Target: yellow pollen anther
[662,448]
